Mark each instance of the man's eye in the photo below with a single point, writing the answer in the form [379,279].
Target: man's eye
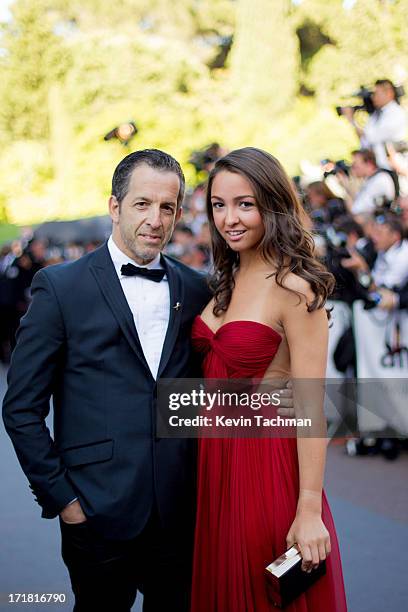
[140,204]
[168,209]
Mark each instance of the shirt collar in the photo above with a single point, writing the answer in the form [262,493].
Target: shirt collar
[389,252]
[389,106]
[120,258]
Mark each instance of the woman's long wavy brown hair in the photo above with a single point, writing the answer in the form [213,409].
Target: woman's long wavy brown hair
[286,243]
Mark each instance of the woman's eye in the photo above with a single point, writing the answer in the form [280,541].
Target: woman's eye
[246,204]
[218,204]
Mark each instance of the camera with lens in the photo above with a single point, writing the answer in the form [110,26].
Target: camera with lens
[366,97]
[350,287]
[337,242]
[335,251]
[332,168]
[123,132]
[367,105]
[371,298]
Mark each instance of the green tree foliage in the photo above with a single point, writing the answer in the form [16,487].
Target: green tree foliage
[33,57]
[366,42]
[188,73]
[264,60]
[3,211]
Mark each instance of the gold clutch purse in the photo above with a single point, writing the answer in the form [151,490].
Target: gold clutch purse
[285,580]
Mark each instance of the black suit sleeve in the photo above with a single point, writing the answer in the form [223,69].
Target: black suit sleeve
[31,378]
[403,296]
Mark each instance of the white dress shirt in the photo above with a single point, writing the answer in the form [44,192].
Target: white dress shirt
[372,193]
[391,267]
[389,125]
[149,303]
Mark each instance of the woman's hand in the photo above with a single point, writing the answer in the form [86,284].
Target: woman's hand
[311,537]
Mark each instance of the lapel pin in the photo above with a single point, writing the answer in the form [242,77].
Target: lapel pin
[177,306]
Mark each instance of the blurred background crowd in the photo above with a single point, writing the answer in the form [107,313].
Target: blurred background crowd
[189,73]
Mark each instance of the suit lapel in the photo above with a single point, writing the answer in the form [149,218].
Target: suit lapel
[105,274]
[176,307]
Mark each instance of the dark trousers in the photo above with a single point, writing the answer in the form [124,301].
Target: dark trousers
[106,574]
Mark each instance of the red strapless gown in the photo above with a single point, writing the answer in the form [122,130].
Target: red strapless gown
[247,494]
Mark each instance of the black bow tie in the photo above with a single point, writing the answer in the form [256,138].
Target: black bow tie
[131,270]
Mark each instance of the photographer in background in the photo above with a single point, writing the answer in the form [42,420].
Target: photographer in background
[385,283]
[387,124]
[390,269]
[391,266]
[324,206]
[346,242]
[379,188]
[397,299]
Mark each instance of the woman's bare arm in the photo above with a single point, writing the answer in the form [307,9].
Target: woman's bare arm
[307,336]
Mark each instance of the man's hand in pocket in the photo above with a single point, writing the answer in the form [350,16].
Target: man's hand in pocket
[72,513]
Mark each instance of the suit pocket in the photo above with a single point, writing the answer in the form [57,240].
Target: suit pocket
[90,453]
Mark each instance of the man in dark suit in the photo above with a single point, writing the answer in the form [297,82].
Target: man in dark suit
[97,337]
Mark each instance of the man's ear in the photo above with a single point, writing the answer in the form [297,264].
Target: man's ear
[114,209]
[178,215]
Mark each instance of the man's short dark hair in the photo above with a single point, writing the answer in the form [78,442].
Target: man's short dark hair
[151,157]
[367,155]
[348,225]
[392,221]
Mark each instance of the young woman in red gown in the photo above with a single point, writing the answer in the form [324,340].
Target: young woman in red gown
[257,497]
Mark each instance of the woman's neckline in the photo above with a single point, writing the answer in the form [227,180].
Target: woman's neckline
[214,333]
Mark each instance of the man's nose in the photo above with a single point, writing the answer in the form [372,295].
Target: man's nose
[154,217]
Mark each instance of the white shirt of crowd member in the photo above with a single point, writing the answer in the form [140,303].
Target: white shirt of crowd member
[388,124]
[391,266]
[377,187]
[390,300]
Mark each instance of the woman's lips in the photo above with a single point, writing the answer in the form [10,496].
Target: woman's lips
[235,235]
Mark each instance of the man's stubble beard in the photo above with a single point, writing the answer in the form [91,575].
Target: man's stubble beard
[145,254]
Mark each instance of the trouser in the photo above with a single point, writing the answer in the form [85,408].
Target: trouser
[106,574]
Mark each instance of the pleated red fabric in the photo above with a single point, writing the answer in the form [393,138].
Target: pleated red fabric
[247,494]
